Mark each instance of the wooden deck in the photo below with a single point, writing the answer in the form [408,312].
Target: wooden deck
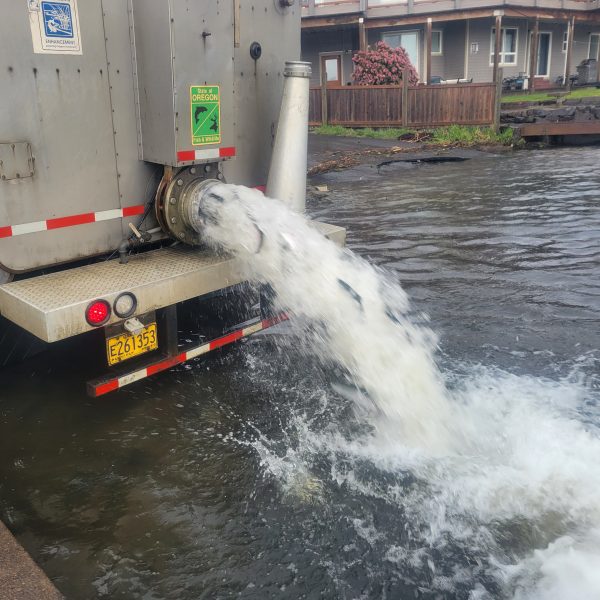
[567,128]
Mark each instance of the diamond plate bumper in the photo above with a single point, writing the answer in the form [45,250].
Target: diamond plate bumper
[52,306]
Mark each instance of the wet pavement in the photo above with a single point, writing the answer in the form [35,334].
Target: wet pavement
[20,577]
[207,482]
[339,159]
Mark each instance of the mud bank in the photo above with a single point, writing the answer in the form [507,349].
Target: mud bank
[333,158]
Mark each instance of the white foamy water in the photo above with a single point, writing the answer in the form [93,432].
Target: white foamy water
[357,315]
[492,457]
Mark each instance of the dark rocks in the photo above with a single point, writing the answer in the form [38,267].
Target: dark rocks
[578,113]
[593,101]
[516,118]
[560,115]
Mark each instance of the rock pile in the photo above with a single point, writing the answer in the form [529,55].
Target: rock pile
[569,111]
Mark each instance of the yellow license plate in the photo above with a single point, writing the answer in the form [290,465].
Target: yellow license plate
[126,346]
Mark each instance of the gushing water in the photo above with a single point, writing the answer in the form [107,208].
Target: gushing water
[489,454]
[357,316]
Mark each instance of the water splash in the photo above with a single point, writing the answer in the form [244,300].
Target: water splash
[501,469]
[352,310]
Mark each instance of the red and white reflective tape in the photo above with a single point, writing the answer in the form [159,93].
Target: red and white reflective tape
[71,221]
[205,154]
[110,385]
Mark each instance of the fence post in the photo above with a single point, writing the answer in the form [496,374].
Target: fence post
[498,101]
[497,44]
[535,40]
[405,98]
[324,115]
[570,35]
[428,34]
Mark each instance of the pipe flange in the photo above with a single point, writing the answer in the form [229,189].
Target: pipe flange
[178,196]
[297,68]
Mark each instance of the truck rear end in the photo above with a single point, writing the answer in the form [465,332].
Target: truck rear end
[114,112]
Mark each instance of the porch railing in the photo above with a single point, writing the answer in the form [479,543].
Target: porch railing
[411,5]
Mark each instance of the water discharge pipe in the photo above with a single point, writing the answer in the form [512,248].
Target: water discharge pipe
[287,173]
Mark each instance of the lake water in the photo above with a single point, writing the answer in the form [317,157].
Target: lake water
[253,474]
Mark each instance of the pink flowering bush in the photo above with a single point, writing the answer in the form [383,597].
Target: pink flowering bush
[383,65]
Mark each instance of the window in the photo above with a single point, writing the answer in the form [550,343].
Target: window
[409,40]
[332,69]
[565,43]
[436,43]
[508,46]
[594,44]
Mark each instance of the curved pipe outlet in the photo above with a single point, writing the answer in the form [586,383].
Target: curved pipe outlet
[192,207]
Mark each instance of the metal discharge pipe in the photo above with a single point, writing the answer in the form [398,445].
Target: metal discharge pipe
[287,173]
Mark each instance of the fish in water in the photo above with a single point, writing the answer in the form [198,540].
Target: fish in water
[199,110]
[348,288]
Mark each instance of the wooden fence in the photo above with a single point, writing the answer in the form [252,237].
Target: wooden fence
[404,106]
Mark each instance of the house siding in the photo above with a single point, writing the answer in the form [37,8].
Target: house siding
[581,41]
[344,41]
[457,38]
[454,50]
[480,32]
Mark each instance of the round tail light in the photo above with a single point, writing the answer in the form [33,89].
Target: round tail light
[97,313]
[125,305]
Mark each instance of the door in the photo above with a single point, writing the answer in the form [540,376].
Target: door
[331,64]
[543,55]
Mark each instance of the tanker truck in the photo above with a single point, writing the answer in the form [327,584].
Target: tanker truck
[114,114]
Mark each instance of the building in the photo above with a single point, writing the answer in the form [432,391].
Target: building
[455,39]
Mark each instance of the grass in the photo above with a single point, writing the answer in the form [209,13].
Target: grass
[471,136]
[366,132]
[443,136]
[587,92]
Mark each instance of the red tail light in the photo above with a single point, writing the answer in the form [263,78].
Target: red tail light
[97,313]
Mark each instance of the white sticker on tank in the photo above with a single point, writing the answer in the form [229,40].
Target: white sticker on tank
[54,26]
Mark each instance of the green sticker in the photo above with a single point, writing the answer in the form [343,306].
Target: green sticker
[205,103]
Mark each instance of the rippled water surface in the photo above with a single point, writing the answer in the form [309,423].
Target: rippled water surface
[250,475]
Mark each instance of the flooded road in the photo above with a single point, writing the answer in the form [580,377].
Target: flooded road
[249,475]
